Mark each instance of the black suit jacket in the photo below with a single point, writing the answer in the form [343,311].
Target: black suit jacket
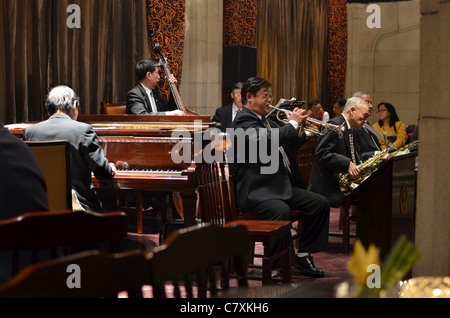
[138,102]
[86,155]
[224,116]
[366,142]
[22,190]
[22,184]
[253,187]
[333,156]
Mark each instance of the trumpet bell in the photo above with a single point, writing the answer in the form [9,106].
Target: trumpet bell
[321,126]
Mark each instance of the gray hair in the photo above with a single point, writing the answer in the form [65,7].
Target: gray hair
[356,102]
[360,94]
[61,98]
[237,85]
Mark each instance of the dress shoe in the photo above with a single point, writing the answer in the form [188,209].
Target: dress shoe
[305,266]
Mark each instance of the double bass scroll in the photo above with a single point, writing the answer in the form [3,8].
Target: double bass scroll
[163,62]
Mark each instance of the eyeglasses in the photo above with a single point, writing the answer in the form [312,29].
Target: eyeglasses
[265,95]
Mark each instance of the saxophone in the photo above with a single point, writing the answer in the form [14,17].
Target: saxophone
[347,184]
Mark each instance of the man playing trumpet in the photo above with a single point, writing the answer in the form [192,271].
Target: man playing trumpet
[272,196]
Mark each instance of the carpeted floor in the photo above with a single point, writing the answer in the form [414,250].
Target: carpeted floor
[333,261]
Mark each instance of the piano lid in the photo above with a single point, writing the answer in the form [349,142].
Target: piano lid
[143,118]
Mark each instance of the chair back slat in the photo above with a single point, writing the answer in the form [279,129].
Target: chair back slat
[98,274]
[194,257]
[114,108]
[54,160]
[61,229]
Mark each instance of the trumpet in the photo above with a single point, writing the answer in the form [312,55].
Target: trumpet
[316,131]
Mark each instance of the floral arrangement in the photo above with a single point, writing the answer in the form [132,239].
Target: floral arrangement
[395,267]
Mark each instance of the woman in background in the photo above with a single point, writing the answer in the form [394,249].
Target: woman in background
[389,122]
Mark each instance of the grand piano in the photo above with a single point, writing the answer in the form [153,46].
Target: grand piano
[146,150]
[142,147]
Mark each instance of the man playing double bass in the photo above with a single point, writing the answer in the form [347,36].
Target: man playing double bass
[144,98]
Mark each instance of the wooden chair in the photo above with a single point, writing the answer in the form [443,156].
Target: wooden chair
[114,108]
[218,206]
[196,260]
[346,217]
[83,275]
[54,160]
[51,231]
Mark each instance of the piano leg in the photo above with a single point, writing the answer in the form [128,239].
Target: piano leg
[139,208]
[189,208]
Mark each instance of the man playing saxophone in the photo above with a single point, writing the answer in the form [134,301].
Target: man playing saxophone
[336,155]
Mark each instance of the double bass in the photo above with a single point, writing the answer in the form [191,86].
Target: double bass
[164,64]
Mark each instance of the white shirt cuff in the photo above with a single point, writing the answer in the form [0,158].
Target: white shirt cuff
[294,123]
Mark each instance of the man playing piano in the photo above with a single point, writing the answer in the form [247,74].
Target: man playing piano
[144,98]
[86,155]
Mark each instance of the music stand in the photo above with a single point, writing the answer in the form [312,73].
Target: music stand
[284,104]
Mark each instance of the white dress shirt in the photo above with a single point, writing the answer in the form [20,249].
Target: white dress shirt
[151,98]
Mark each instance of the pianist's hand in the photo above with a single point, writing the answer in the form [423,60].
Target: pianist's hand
[113,167]
[175,112]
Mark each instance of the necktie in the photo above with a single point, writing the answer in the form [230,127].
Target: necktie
[373,131]
[352,146]
[286,161]
[153,103]
[234,114]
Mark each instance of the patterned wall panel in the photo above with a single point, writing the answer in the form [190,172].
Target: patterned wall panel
[337,49]
[166,21]
[240,22]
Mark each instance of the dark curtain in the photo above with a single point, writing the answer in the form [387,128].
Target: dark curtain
[292,47]
[41,51]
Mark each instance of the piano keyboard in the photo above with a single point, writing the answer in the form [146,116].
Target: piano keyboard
[148,173]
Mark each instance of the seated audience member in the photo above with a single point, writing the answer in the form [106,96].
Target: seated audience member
[86,155]
[269,195]
[225,115]
[335,155]
[145,98]
[22,184]
[22,189]
[338,106]
[316,111]
[389,122]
